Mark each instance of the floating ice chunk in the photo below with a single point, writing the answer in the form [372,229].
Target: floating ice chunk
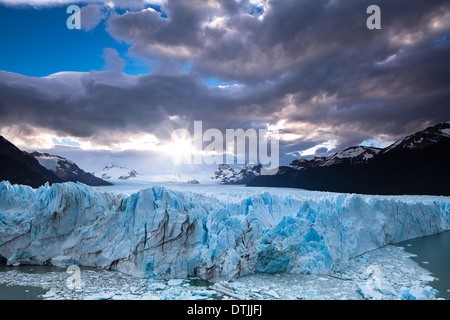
[368,291]
[417,293]
[273,293]
[100,296]
[156,286]
[427,278]
[311,292]
[175,282]
[204,292]
[49,294]
[221,288]
[406,270]
[387,288]
[150,296]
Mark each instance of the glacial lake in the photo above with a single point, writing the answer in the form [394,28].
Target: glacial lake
[433,254]
[8,292]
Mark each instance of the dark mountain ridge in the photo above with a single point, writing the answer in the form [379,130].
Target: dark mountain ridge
[417,164]
[19,167]
[67,170]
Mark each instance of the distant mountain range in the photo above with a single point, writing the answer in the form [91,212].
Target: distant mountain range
[416,164]
[352,155]
[241,175]
[19,167]
[114,172]
[67,170]
[35,169]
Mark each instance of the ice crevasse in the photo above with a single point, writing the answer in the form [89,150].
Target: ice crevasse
[165,234]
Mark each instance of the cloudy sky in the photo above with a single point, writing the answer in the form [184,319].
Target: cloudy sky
[116,89]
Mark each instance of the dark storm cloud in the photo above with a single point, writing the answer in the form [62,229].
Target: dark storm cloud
[308,48]
[307,62]
[83,104]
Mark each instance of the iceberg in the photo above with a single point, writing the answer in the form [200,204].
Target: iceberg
[171,234]
[417,293]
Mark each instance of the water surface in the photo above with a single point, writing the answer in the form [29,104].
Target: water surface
[20,292]
[433,254]
[14,292]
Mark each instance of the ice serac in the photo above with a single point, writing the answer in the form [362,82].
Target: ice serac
[161,233]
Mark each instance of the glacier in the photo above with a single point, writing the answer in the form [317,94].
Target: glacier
[167,233]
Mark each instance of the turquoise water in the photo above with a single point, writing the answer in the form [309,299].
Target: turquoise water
[24,292]
[433,254]
[20,292]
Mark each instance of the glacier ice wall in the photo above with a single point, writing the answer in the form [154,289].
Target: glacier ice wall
[162,233]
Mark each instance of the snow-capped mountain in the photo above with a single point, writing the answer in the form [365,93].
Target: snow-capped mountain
[114,172]
[223,173]
[66,169]
[416,164]
[422,139]
[352,155]
[19,167]
[241,175]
